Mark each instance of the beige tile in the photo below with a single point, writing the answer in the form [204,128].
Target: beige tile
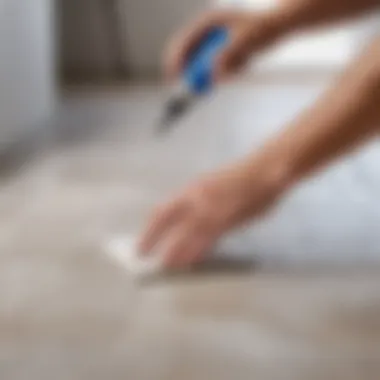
[69,312]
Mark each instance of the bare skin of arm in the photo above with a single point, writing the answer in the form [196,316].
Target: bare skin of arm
[188,225]
[301,14]
[345,116]
[251,32]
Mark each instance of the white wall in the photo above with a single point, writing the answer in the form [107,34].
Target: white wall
[27,88]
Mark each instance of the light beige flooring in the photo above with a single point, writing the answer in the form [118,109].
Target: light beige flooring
[69,312]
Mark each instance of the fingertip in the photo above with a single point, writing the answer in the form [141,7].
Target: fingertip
[174,73]
[173,61]
[220,69]
[170,69]
[144,246]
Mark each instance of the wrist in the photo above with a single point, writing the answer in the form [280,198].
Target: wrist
[271,169]
[264,29]
[277,23]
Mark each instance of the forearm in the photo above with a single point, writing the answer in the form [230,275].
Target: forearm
[344,117]
[293,15]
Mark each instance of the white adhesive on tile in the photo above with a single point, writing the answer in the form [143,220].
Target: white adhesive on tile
[124,251]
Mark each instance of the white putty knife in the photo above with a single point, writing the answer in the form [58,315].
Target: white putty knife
[124,251]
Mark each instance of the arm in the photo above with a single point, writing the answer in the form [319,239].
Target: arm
[251,32]
[349,113]
[300,14]
[345,116]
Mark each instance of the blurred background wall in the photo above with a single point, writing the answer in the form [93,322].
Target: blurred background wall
[105,38]
[92,40]
[119,39]
[27,67]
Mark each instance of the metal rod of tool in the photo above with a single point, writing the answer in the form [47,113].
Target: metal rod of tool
[197,79]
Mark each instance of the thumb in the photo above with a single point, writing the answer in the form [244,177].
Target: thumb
[232,59]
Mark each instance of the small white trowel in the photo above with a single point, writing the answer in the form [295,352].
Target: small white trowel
[123,250]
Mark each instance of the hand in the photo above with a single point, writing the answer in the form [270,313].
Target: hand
[249,33]
[188,226]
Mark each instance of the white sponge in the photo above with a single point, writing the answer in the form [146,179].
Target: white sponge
[124,250]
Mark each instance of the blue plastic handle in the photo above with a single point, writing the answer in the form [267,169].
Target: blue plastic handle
[199,70]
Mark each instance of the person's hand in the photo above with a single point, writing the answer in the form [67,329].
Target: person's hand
[249,33]
[189,225]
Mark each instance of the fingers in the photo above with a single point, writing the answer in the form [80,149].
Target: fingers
[163,219]
[180,235]
[232,59]
[178,245]
[188,246]
[181,47]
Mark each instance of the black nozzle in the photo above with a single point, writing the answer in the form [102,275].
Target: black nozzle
[174,110]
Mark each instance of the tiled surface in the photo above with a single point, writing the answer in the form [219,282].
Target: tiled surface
[68,312]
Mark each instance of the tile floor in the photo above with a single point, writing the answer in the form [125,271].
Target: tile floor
[68,312]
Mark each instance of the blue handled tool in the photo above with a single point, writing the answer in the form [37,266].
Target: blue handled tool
[197,76]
